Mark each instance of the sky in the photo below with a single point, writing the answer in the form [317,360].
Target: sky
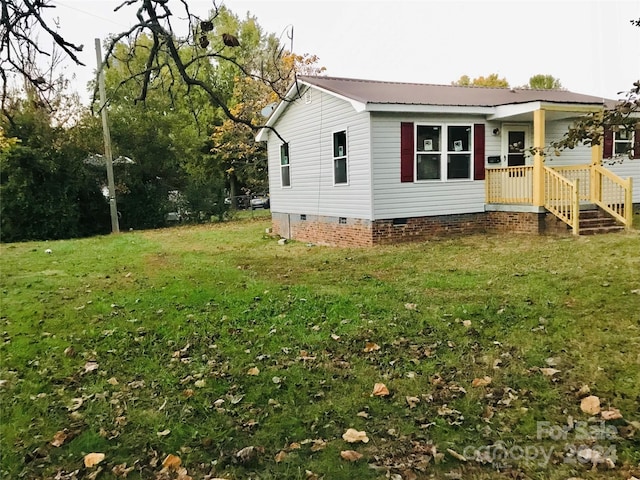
[590,46]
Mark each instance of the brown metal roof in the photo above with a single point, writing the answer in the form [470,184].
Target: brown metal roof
[371,91]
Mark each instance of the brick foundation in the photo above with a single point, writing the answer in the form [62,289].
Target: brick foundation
[352,232]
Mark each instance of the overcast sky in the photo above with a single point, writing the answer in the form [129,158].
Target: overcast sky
[590,46]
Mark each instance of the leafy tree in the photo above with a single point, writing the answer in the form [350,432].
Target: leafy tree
[46,191]
[491,80]
[544,82]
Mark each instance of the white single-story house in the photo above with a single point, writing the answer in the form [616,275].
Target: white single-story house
[358,162]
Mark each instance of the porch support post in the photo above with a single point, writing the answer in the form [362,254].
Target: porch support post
[594,187]
[538,164]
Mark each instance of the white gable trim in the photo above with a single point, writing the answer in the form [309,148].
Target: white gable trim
[291,94]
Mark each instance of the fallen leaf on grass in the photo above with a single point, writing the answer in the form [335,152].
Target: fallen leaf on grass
[113,381]
[380,390]
[371,347]
[172,462]
[466,323]
[410,306]
[352,435]
[351,455]
[90,367]
[280,456]
[456,455]
[92,459]
[335,337]
[611,414]
[549,372]
[318,445]
[590,405]
[59,438]
[122,470]
[164,433]
[481,382]
[253,371]
[412,401]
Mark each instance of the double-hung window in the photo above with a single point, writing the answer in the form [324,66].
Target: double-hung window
[285,172]
[622,142]
[443,152]
[340,173]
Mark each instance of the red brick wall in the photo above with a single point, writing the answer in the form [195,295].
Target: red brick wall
[423,228]
[363,233]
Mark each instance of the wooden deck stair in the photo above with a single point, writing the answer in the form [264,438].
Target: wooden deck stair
[596,221]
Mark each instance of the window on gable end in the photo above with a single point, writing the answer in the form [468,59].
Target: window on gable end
[285,167]
[340,158]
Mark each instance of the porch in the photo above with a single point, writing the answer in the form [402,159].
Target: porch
[563,191]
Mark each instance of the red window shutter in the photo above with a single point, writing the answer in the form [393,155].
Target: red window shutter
[478,151]
[607,148]
[636,143]
[406,152]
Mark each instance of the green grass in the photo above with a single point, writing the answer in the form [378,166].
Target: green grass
[176,318]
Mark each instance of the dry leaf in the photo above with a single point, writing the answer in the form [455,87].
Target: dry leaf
[380,390]
[294,446]
[122,470]
[172,462]
[112,381]
[466,323]
[59,438]
[549,372]
[352,435]
[611,414]
[90,367]
[318,445]
[335,337]
[200,383]
[164,433]
[362,414]
[371,347]
[92,459]
[281,455]
[590,405]
[412,401]
[410,306]
[481,382]
[351,455]
[253,371]
[456,455]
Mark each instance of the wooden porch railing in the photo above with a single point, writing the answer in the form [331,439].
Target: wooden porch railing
[509,185]
[562,198]
[613,194]
[593,183]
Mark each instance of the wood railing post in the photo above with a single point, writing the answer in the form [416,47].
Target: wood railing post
[628,204]
[575,207]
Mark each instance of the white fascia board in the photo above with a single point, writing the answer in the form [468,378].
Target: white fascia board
[506,111]
[453,109]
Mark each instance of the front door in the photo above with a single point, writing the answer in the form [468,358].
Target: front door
[515,142]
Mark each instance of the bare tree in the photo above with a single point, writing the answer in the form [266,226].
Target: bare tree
[180,56]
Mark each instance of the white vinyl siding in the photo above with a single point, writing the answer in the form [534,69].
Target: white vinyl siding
[308,128]
[394,199]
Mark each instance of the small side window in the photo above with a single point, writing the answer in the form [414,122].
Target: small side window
[285,173]
[340,168]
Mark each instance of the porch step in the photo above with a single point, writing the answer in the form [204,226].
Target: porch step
[597,221]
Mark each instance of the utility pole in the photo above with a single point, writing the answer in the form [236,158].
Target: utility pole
[115,227]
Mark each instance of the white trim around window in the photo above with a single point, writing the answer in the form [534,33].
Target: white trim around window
[443,152]
[285,166]
[340,157]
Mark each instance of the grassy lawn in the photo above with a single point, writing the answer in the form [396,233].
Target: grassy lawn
[248,359]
